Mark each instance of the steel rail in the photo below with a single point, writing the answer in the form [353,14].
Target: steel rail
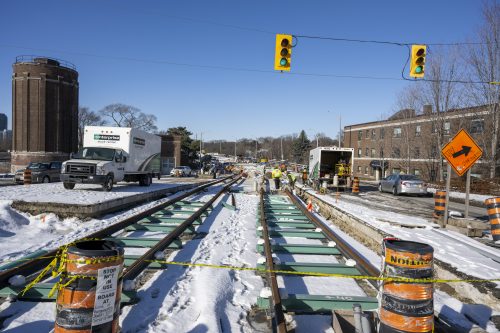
[347,250]
[132,271]
[32,266]
[279,316]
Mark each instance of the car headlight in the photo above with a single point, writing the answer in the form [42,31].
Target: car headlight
[100,170]
[63,168]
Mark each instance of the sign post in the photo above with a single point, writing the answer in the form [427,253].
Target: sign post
[461,153]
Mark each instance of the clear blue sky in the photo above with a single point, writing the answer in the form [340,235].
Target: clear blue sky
[143,53]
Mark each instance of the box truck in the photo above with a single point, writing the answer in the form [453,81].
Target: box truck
[113,154]
[331,166]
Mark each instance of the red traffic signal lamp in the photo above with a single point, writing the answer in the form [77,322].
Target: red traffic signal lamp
[283,52]
[417,63]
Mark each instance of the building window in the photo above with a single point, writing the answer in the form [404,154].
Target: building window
[360,135]
[397,132]
[417,152]
[418,130]
[366,152]
[477,126]
[416,172]
[374,136]
[373,152]
[360,152]
[367,134]
[382,133]
[446,128]
[396,153]
[359,169]
[366,170]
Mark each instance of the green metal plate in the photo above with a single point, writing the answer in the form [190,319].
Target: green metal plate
[143,242]
[130,258]
[321,303]
[300,249]
[294,233]
[157,227]
[314,268]
[291,224]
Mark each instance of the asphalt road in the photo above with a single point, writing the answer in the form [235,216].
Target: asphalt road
[421,206]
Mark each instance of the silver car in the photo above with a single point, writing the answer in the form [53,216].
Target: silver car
[181,171]
[399,184]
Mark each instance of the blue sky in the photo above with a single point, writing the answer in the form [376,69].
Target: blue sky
[147,53]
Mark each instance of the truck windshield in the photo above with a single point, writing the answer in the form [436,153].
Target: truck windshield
[94,153]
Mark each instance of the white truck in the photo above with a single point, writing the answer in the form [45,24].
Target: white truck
[113,154]
[331,166]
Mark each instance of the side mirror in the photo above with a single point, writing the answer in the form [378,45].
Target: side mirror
[70,156]
[124,159]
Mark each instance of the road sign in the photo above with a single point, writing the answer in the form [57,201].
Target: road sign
[461,152]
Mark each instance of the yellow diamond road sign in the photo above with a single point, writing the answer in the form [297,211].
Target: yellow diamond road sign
[461,152]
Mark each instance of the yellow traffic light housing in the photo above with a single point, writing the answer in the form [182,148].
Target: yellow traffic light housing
[283,53]
[417,64]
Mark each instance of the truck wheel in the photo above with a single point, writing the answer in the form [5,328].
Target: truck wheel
[148,180]
[46,179]
[69,186]
[108,184]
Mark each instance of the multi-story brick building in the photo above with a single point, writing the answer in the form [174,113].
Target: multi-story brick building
[411,143]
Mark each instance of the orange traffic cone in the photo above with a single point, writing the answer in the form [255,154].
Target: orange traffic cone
[309,206]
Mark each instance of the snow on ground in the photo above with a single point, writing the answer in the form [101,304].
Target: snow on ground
[82,194]
[197,299]
[200,299]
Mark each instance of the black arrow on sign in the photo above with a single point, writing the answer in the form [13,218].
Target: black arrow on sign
[465,151]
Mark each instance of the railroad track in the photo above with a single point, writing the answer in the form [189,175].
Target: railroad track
[172,219]
[295,241]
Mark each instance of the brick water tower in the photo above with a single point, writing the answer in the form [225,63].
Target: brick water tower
[44,110]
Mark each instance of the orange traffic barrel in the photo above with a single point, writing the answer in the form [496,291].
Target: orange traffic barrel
[27,176]
[355,185]
[89,300]
[407,306]
[439,206]
[493,206]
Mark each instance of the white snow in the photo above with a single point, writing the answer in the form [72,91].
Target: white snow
[201,299]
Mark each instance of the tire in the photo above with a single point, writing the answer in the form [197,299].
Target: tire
[69,186]
[395,190]
[149,180]
[380,187]
[46,179]
[108,184]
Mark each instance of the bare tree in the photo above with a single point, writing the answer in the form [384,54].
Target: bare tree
[484,61]
[123,115]
[441,92]
[87,118]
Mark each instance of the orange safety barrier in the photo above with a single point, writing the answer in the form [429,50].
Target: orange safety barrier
[407,306]
[493,206]
[355,186]
[27,176]
[89,300]
[439,206]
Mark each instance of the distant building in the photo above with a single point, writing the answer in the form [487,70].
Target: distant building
[44,110]
[408,143]
[3,121]
[5,140]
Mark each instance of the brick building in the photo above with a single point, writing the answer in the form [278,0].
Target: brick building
[411,143]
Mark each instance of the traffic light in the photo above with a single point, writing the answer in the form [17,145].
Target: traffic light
[417,64]
[283,53]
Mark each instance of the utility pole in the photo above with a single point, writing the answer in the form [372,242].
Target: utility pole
[340,131]
[281,143]
[235,158]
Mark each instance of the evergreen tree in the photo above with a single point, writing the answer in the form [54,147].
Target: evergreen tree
[301,147]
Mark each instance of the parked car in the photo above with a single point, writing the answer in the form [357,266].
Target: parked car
[399,184]
[41,172]
[181,171]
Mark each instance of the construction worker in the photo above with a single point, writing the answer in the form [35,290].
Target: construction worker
[304,176]
[291,179]
[276,176]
